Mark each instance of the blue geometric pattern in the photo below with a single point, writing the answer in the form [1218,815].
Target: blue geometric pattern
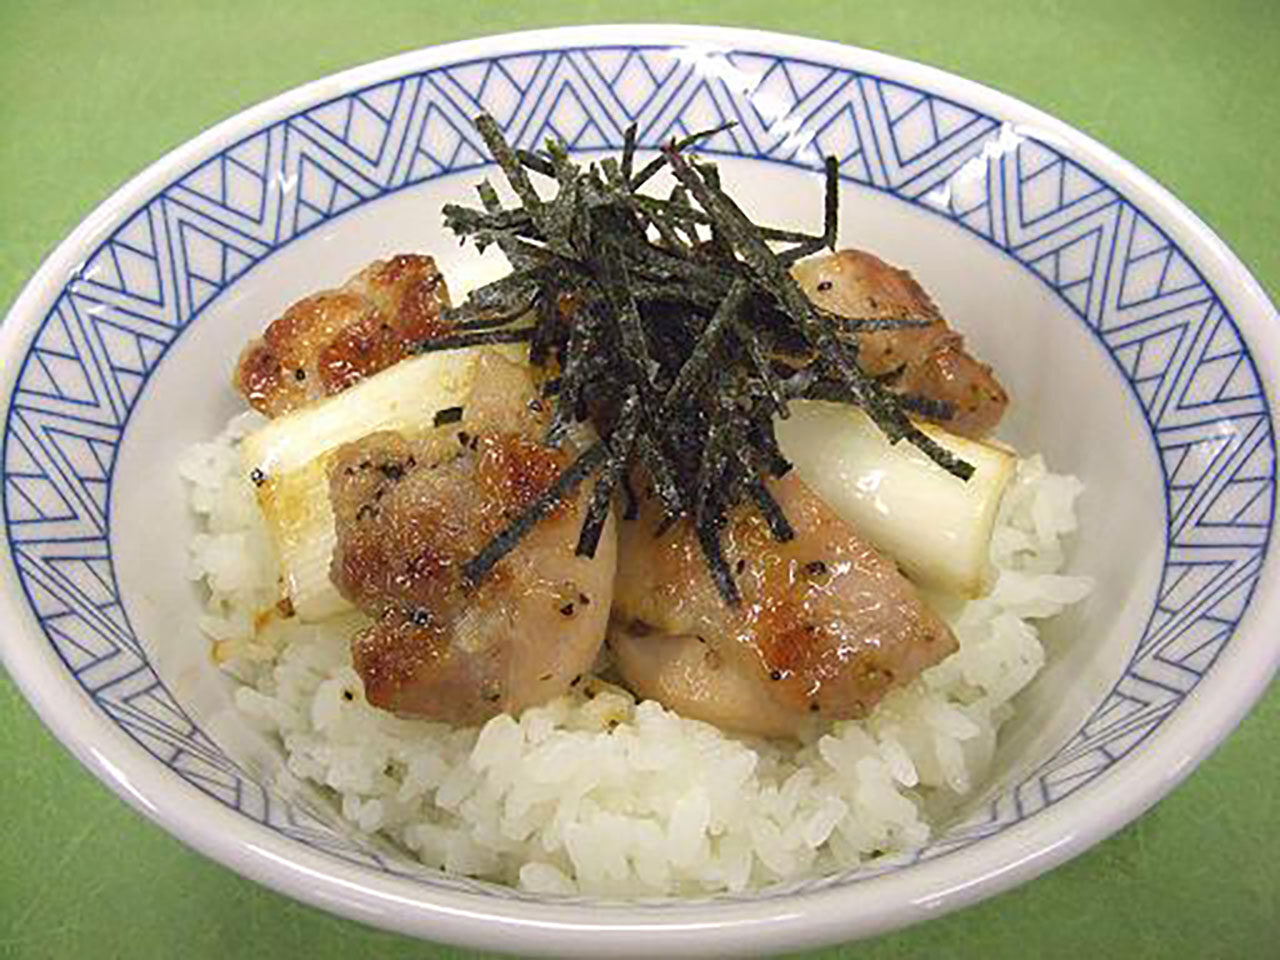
[1118,272]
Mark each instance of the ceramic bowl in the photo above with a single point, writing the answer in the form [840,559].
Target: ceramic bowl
[1140,354]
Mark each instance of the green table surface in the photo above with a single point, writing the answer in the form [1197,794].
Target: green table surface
[92,92]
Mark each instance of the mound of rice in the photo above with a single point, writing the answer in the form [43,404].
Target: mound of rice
[595,793]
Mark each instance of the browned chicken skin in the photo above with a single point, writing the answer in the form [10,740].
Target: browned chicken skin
[329,341]
[933,359]
[410,512]
[826,627]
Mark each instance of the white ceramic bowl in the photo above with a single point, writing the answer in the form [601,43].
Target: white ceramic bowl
[1137,348]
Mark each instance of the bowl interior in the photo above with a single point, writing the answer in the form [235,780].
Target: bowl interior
[1124,366]
[1070,404]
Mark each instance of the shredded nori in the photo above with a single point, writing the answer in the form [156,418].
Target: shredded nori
[674,326]
[447,415]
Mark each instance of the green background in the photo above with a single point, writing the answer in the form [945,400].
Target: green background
[92,92]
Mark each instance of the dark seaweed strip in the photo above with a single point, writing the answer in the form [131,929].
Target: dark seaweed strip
[536,162]
[723,452]
[764,442]
[465,221]
[806,248]
[763,263]
[547,326]
[628,152]
[596,192]
[498,303]
[771,510]
[616,287]
[525,254]
[750,341]
[507,159]
[711,471]
[694,369]
[612,173]
[620,442]
[566,171]
[631,503]
[899,427]
[834,391]
[926,407]
[683,214]
[571,363]
[486,321]
[520,284]
[563,210]
[569,480]
[938,453]
[831,203]
[648,209]
[773,234]
[482,338]
[678,209]
[492,204]
[719,242]
[447,415]
[658,264]
[591,190]
[677,212]
[661,474]
[489,197]
[649,290]
[598,510]
[709,541]
[663,223]
[657,163]
[559,220]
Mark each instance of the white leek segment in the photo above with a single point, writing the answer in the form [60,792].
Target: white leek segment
[936,526]
[287,459]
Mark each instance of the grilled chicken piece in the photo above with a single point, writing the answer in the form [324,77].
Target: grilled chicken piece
[411,512]
[329,341]
[826,627]
[933,360]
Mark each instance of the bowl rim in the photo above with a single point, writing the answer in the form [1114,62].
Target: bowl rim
[794,921]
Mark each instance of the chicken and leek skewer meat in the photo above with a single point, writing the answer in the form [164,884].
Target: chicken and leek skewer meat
[929,361]
[827,624]
[411,512]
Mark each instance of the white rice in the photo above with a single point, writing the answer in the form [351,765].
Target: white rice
[603,795]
